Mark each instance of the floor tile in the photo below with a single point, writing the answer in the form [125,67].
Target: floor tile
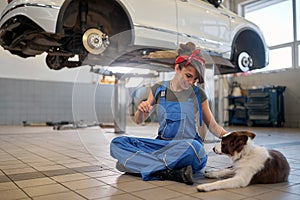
[117,178]
[26,176]
[277,195]
[252,190]
[165,183]
[157,194]
[294,179]
[50,167]
[61,196]
[294,189]
[220,194]
[134,185]
[19,170]
[82,184]
[58,172]
[121,197]
[4,179]
[45,189]
[182,188]
[13,194]
[8,165]
[185,197]
[35,182]
[99,192]
[89,168]
[101,173]
[70,177]
[8,186]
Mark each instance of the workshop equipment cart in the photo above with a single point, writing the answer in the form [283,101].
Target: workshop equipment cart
[266,106]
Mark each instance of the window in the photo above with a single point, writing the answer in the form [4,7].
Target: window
[298,31]
[277,28]
[276,20]
[298,19]
[280,58]
[298,55]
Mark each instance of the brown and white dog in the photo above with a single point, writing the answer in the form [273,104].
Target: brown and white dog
[252,164]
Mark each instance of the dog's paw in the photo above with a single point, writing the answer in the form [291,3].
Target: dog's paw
[210,175]
[203,188]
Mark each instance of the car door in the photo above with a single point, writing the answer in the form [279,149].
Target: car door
[154,21]
[204,24]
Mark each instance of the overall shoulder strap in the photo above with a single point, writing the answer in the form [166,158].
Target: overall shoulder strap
[161,90]
[197,93]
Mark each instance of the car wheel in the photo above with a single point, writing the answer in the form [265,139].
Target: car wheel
[245,61]
[55,62]
[95,41]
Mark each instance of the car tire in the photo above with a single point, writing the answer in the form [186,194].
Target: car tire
[56,62]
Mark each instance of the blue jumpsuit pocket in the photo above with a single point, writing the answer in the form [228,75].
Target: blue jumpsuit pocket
[174,126]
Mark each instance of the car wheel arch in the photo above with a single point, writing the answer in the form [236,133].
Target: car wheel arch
[249,41]
[68,5]
[60,18]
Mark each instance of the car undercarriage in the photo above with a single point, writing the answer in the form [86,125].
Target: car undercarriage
[101,33]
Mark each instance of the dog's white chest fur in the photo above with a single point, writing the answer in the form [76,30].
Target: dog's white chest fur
[252,156]
[252,160]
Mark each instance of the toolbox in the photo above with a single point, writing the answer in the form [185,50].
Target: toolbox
[266,106]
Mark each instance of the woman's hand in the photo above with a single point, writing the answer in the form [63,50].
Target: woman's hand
[145,107]
[143,112]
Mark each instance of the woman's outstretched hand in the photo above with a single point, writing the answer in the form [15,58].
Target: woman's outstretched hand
[143,112]
[145,107]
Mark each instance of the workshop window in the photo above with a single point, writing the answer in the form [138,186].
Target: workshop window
[299,55]
[298,29]
[280,58]
[298,20]
[277,28]
[276,20]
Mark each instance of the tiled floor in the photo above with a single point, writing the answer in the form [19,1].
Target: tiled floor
[42,163]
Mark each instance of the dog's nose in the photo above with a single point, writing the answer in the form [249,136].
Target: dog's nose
[214,149]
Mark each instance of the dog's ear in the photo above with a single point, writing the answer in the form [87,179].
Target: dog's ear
[249,134]
[242,139]
[239,142]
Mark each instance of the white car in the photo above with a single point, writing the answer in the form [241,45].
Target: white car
[124,32]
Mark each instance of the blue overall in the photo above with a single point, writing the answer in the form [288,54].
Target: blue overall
[176,146]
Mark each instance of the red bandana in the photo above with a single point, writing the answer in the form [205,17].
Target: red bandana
[189,59]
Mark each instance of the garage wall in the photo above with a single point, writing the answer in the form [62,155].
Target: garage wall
[289,78]
[42,101]
[30,91]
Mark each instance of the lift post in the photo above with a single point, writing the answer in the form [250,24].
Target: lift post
[119,109]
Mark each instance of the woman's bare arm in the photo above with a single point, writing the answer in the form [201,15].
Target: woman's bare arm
[210,121]
[144,109]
